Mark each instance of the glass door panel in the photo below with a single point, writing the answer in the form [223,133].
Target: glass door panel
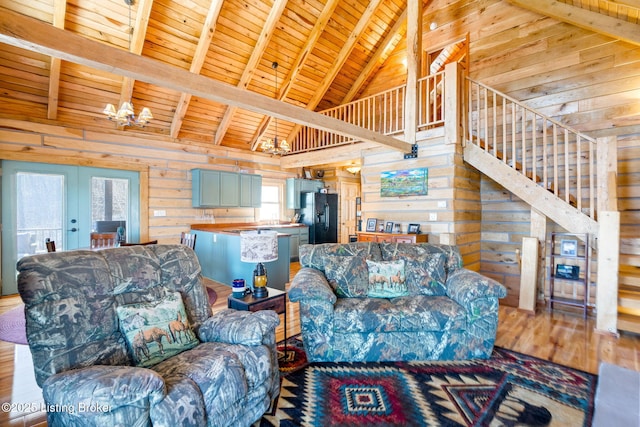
[33,223]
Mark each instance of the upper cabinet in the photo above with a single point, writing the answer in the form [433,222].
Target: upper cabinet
[213,189]
[296,186]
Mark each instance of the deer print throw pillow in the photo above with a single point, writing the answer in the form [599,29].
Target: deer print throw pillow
[386,279]
[156,331]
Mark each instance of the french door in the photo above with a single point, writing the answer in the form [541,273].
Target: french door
[64,204]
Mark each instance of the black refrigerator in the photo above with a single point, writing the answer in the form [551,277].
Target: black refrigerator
[320,212]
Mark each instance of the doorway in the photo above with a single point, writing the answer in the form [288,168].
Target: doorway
[64,204]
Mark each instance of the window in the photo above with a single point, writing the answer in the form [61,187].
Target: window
[270,208]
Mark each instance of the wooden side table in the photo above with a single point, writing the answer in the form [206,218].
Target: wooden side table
[276,300]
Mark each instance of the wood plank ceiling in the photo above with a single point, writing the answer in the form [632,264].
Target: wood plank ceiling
[327,51]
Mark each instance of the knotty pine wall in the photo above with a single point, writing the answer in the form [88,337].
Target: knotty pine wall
[165,162]
[585,80]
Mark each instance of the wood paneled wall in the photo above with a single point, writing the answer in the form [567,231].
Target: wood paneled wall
[167,164]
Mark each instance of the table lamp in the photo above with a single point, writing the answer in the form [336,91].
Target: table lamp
[259,246]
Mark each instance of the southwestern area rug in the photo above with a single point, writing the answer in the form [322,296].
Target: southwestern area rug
[509,389]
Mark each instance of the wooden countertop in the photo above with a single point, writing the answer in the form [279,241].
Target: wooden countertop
[232,228]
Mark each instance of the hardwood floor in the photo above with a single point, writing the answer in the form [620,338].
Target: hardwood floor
[559,336]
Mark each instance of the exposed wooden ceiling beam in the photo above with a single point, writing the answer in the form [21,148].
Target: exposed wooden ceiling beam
[206,35]
[28,33]
[592,21]
[298,65]
[250,68]
[339,61]
[333,155]
[59,13]
[137,43]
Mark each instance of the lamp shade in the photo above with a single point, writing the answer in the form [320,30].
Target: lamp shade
[258,246]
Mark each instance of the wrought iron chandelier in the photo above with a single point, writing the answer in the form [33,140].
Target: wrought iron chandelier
[125,115]
[274,146]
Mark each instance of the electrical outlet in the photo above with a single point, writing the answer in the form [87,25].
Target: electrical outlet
[433,216]
[160,213]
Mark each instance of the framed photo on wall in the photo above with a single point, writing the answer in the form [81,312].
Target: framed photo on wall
[413,229]
[371,224]
[569,248]
[388,228]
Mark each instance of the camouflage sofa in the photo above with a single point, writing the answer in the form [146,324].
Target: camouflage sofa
[126,336]
[371,301]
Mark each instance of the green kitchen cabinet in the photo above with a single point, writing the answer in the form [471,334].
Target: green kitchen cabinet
[213,189]
[296,186]
[250,190]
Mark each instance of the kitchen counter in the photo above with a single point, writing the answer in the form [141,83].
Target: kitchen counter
[235,228]
[218,251]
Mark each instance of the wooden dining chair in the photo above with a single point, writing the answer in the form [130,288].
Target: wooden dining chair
[188,239]
[103,240]
[50,244]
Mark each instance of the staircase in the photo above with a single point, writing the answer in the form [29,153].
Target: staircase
[629,285]
[546,164]
[563,174]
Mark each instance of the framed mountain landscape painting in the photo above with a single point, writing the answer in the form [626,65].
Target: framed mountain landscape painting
[408,182]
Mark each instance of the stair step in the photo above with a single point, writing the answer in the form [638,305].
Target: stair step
[630,245]
[629,299]
[629,275]
[630,260]
[628,322]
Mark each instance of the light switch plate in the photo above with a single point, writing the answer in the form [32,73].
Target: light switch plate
[442,203]
[160,213]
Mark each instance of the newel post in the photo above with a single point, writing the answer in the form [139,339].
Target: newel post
[452,103]
[608,236]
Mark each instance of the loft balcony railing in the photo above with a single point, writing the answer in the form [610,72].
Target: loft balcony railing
[383,113]
[553,155]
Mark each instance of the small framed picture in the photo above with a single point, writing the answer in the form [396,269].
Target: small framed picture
[396,228]
[371,224]
[564,271]
[388,228]
[307,173]
[568,247]
[413,229]
[381,225]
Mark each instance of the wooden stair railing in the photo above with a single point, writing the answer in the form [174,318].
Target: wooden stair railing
[529,174]
[538,147]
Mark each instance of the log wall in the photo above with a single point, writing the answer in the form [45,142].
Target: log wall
[166,163]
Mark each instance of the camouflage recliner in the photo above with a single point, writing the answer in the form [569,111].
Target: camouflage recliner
[126,336]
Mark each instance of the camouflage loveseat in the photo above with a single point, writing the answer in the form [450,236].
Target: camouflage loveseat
[370,301]
[126,337]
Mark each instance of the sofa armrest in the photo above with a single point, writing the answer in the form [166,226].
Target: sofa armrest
[102,395]
[310,283]
[464,286]
[240,327]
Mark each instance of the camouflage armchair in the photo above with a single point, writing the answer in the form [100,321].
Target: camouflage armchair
[371,301]
[126,336]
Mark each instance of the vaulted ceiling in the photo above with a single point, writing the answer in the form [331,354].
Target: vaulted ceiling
[327,52]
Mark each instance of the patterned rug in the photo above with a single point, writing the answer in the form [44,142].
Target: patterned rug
[510,389]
